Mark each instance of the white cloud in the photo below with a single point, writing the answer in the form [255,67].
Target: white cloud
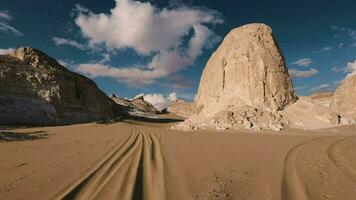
[304,62]
[350,32]
[326,48]
[6,51]
[321,87]
[133,76]
[5,15]
[141,26]
[174,37]
[62,41]
[337,69]
[350,69]
[5,27]
[303,73]
[158,100]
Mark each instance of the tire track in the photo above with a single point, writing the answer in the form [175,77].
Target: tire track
[345,165]
[132,170]
[292,186]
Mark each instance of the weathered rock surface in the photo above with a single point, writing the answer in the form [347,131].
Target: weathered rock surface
[247,69]
[322,98]
[308,114]
[344,99]
[245,80]
[138,104]
[35,89]
[182,108]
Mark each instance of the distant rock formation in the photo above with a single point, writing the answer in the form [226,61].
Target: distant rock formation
[244,84]
[322,98]
[309,114]
[344,99]
[182,108]
[35,89]
[139,104]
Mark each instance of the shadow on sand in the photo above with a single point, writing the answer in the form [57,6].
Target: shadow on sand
[9,136]
[140,119]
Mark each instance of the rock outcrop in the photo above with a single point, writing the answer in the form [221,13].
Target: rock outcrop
[308,114]
[245,83]
[182,108]
[344,99]
[35,89]
[138,104]
[322,98]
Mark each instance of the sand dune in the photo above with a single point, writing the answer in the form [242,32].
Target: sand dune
[141,160]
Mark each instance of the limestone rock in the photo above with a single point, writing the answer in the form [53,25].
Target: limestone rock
[344,99]
[182,108]
[247,69]
[247,79]
[307,114]
[322,98]
[35,89]
[139,104]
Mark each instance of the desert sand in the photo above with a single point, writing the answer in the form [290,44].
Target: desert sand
[147,160]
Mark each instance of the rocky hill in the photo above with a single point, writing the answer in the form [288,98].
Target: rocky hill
[322,98]
[182,108]
[138,104]
[344,99]
[35,89]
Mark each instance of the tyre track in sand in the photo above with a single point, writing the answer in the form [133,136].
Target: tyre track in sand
[131,170]
[293,187]
[338,152]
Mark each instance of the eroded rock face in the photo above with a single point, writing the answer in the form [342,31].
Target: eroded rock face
[247,69]
[344,99]
[182,108]
[322,98]
[138,104]
[246,76]
[308,114]
[35,89]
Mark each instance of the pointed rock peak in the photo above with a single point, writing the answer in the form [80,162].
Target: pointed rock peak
[139,98]
[34,56]
[248,68]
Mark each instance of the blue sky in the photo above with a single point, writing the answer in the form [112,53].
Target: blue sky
[130,47]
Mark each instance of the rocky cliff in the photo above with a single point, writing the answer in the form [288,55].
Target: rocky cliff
[35,89]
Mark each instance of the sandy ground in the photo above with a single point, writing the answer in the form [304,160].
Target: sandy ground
[147,160]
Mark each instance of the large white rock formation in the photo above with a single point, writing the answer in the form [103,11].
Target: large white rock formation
[244,84]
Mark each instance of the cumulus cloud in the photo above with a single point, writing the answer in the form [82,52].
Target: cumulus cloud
[133,76]
[174,37]
[303,73]
[322,87]
[141,26]
[6,51]
[5,27]
[158,100]
[304,62]
[63,41]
